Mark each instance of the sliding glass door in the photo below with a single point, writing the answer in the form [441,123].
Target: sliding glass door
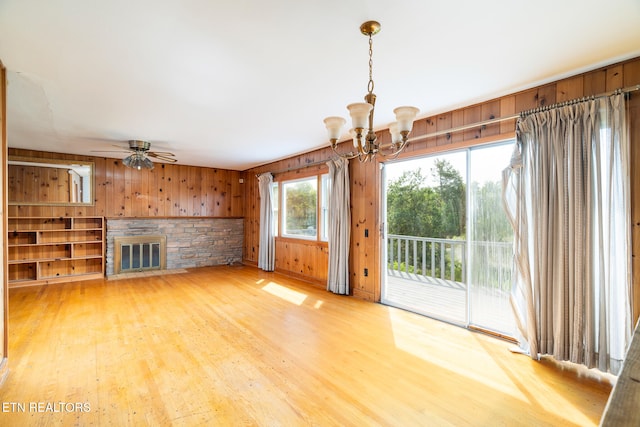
[448,249]
[490,241]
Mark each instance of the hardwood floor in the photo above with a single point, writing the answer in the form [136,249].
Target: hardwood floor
[238,346]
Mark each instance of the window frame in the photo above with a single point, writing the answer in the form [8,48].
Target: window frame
[322,198]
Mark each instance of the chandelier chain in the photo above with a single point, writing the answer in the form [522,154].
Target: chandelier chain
[370,85]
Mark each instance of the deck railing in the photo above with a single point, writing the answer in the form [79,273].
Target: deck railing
[439,258]
[446,259]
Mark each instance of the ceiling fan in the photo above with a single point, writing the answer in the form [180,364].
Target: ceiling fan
[139,157]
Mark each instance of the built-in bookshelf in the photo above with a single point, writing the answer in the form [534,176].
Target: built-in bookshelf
[43,250]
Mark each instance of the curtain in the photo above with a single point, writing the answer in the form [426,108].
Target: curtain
[339,227]
[567,196]
[266,251]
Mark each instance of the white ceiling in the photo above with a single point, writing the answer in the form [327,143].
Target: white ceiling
[235,84]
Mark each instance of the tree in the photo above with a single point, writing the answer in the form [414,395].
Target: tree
[490,223]
[452,191]
[300,207]
[413,208]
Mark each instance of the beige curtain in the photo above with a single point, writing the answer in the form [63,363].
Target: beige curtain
[339,226]
[567,196]
[266,251]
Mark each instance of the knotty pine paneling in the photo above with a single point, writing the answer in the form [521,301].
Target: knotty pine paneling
[365,220]
[167,190]
[632,77]
[302,258]
[4,343]
[365,177]
[308,260]
[569,89]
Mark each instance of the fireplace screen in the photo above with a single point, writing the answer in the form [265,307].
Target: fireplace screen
[139,253]
[140,256]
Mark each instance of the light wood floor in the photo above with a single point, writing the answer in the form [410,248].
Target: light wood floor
[237,346]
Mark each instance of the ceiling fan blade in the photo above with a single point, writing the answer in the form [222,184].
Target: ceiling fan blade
[162,157]
[110,151]
[163,153]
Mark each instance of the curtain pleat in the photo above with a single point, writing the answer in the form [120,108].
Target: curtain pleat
[339,227]
[266,250]
[566,194]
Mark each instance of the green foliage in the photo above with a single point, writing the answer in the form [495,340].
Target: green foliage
[489,220]
[434,206]
[457,269]
[415,209]
[452,191]
[301,208]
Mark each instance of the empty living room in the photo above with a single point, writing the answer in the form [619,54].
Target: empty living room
[194,236]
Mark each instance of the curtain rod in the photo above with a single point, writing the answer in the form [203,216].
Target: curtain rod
[625,90]
[295,168]
[526,112]
[482,123]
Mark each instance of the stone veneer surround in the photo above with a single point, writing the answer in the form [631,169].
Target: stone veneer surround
[191,242]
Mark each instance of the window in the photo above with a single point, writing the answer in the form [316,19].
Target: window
[300,208]
[324,205]
[301,211]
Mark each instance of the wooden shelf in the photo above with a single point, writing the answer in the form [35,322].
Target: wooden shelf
[44,250]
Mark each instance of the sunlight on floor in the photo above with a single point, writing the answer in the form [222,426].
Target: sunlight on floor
[476,362]
[285,293]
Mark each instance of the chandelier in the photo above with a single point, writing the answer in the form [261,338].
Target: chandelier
[364,138]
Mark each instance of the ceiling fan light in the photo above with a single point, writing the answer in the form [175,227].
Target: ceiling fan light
[405,117]
[128,161]
[137,161]
[146,163]
[359,112]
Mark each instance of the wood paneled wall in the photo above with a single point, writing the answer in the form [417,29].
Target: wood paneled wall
[301,258]
[169,190]
[365,177]
[4,294]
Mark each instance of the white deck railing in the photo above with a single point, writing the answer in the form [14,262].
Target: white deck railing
[446,259]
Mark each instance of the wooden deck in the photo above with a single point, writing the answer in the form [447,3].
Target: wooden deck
[447,300]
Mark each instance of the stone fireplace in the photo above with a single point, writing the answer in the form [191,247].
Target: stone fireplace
[189,242]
